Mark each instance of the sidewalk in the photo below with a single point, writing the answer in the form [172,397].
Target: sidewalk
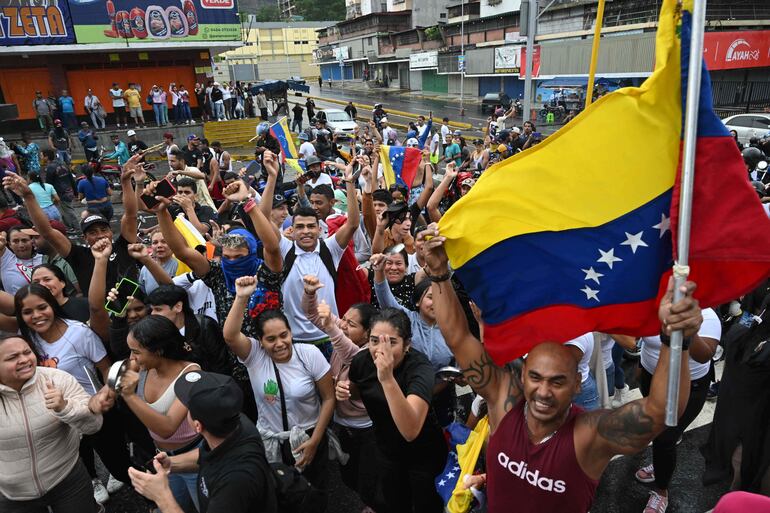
[360,86]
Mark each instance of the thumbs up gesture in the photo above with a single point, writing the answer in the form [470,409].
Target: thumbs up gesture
[54,398]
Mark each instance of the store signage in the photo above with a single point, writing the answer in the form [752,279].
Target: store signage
[535,62]
[736,50]
[342,53]
[155,21]
[25,23]
[507,59]
[423,60]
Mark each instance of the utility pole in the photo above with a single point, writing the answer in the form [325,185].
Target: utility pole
[531,30]
[461,60]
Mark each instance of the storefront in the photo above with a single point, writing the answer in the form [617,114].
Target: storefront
[86,44]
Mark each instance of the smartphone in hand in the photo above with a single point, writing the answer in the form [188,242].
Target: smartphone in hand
[126,288]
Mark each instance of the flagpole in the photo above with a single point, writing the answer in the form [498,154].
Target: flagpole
[681,269]
[594,53]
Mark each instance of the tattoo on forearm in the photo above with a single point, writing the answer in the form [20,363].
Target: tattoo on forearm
[513,395]
[480,372]
[627,426]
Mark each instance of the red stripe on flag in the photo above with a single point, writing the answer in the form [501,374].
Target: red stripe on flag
[412,159]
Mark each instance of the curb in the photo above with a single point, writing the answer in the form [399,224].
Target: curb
[465,126]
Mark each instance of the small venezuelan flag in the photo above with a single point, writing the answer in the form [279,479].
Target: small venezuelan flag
[280,131]
[399,164]
[461,461]
[575,234]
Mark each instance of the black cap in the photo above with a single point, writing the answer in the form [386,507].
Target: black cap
[213,399]
[279,200]
[92,220]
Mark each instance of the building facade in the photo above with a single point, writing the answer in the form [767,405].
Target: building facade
[273,50]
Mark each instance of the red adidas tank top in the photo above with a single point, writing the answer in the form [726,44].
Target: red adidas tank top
[529,478]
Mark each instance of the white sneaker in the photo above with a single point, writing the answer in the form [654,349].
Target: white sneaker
[100,492]
[656,503]
[619,399]
[113,485]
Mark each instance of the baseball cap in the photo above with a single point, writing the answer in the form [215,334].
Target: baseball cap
[478,141]
[502,148]
[457,132]
[131,132]
[303,136]
[92,220]
[412,143]
[213,399]
[279,200]
[192,137]
[469,182]
[167,135]
[83,123]
[516,130]
[57,122]
[383,120]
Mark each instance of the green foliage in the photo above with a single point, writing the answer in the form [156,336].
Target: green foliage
[327,10]
[432,34]
[269,13]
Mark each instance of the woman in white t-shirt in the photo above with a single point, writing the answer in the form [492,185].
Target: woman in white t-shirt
[701,350]
[74,348]
[292,385]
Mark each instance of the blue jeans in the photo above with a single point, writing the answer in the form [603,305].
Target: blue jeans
[64,156]
[164,113]
[219,110]
[52,212]
[296,123]
[104,209]
[186,114]
[617,359]
[588,398]
[184,487]
[158,115]
[610,379]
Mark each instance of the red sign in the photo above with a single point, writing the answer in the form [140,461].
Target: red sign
[735,50]
[535,62]
[217,4]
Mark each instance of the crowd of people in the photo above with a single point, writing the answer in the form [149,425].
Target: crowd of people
[268,328]
[169,106]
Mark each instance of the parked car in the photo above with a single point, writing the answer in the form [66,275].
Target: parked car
[337,119]
[748,125]
[491,100]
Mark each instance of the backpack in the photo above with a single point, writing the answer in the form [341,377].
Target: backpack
[351,285]
[295,494]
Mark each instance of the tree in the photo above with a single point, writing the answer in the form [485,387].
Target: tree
[328,10]
[269,13]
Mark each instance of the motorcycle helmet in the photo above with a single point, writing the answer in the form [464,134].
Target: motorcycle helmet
[462,176]
[311,161]
[759,187]
[752,156]
[263,128]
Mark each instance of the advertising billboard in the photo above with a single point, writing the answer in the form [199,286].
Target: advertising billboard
[31,22]
[153,21]
[424,60]
[737,50]
[507,59]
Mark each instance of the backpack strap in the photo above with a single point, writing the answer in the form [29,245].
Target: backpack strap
[324,253]
[284,417]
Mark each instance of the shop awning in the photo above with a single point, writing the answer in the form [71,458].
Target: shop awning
[573,82]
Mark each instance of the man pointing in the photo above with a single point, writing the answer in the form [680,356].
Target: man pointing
[545,454]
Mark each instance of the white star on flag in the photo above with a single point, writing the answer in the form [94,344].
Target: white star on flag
[664,225]
[441,483]
[450,475]
[634,241]
[590,293]
[592,275]
[608,257]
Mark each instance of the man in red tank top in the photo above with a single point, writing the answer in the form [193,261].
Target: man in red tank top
[544,454]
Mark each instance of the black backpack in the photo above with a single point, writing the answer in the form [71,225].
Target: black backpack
[295,493]
[324,253]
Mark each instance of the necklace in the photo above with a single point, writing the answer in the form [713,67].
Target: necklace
[529,431]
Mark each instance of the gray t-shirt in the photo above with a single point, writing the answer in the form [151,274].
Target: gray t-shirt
[147,281]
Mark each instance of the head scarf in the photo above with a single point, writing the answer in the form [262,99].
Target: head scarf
[242,266]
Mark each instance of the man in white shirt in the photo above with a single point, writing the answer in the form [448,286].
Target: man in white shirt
[306,149]
[446,133]
[118,105]
[389,134]
[308,254]
[92,104]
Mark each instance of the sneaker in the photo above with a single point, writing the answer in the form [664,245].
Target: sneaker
[100,492]
[633,354]
[113,485]
[718,353]
[646,475]
[100,509]
[619,399]
[713,392]
[657,503]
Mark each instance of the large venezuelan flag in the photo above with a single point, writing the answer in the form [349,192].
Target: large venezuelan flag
[280,131]
[575,234]
[399,164]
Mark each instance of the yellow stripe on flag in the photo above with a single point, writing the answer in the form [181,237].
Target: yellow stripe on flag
[387,169]
[467,456]
[616,156]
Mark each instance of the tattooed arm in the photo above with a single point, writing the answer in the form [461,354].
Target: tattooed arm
[493,383]
[599,435]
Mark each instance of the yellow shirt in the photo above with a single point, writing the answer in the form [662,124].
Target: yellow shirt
[133,98]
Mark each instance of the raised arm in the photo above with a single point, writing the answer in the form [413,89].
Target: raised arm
[139,253]
[381,286]
[55,238]
[99,319]
[450,173]
[195,174]
[630,428]
[427,173]
[239,343]
[238,191]
[367,202]
[129,223]
[322,318]
[196,261]
[487,379]
[347,230]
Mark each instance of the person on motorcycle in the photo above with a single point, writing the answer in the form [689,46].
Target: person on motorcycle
[121,151]
[265,140]
[135,145]
[752,156]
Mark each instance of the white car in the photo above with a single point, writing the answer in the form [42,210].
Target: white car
[748,125]
[337,119]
